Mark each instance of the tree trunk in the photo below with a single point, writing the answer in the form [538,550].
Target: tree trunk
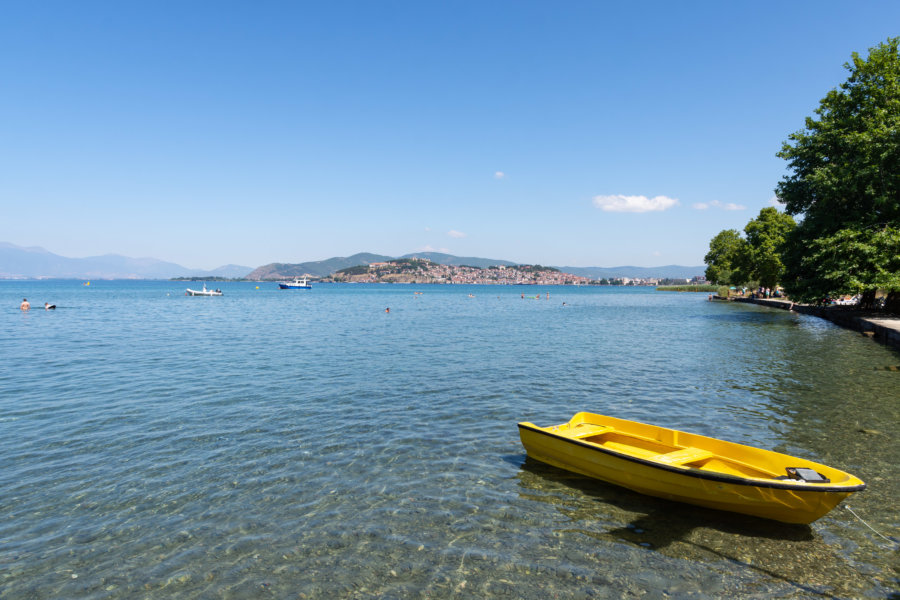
[892,303]
[867,301]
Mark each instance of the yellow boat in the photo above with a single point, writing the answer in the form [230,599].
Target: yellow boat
[691,468]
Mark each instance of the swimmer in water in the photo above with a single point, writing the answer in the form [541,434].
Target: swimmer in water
[25,304]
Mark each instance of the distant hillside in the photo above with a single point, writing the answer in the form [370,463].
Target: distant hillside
[668,271]
[17,262]
[459,261]
[324,268]
[227,271]
[319,268]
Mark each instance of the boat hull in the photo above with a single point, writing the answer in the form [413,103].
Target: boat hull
[288,286]
[633,458]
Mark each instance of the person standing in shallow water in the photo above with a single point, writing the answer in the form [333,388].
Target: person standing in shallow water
[25,304]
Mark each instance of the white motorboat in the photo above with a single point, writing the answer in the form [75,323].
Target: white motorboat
[203,292]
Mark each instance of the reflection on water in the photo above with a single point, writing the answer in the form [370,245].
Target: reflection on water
[276,444]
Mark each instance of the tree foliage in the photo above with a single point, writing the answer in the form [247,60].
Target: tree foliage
[756,257]
[723,251]
[357,270]
[850,261]
[759,259]
[845,182]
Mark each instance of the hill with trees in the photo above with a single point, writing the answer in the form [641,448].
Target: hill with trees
[324,268]
[319,268]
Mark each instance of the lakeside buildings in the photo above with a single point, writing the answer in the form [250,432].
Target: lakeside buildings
[425,271]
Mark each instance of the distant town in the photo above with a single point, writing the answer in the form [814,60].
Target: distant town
[422,270]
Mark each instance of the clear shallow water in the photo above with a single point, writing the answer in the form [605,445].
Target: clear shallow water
[295,444]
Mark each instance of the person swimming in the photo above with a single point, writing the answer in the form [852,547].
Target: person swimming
[25,304]
[48,306]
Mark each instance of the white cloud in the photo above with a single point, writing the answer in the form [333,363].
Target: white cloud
[776,202]
[430,248]
[456,234]
[499,175]
[638,204]
[717,204]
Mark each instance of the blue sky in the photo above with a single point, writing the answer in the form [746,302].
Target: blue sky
[559,133]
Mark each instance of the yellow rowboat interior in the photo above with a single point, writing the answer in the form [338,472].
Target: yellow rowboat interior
[691,468]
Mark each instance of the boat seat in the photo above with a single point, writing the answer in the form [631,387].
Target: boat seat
[683,456]
[591,430]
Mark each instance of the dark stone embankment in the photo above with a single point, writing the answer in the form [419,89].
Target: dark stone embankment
[884,328]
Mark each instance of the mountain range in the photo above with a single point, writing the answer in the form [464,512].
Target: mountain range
[17,262]
[323,268]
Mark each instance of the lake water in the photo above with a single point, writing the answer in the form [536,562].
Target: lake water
[307,444]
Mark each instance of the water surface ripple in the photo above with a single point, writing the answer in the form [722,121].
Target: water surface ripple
[307,444]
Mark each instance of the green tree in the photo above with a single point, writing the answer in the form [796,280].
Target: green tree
[852,261]
[845,181]
[760,258]
[723,250]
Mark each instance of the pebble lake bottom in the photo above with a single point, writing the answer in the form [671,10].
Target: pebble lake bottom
[307,444]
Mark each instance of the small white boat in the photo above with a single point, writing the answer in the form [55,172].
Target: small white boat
[203,292]
[299,283]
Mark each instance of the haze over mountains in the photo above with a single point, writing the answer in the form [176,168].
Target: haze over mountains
[17,262]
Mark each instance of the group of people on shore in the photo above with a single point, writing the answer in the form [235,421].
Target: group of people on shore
[764,292]
[26,305]
[761,292]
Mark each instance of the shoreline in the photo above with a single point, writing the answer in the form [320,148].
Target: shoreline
[885,329]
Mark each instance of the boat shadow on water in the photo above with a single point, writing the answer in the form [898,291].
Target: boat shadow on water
[662,522]
[786,553]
